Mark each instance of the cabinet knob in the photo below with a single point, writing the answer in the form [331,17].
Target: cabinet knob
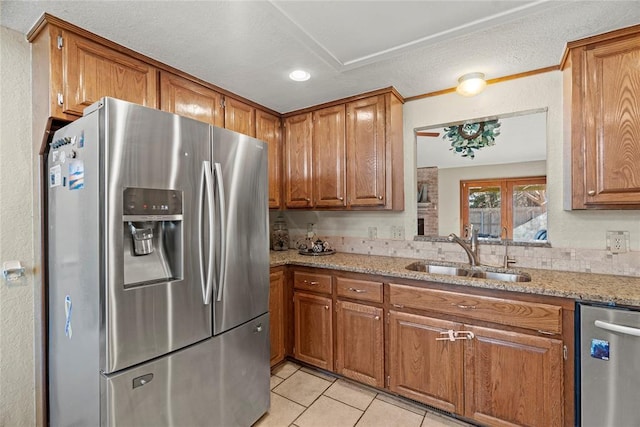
[308,200]
[379,197]
[326,307]
[341,198]
[591,192]
[376,318]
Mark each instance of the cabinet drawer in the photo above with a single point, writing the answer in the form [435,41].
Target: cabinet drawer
[529,315]
[312,282]
[359,289]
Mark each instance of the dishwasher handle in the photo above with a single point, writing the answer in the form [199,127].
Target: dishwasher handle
[627,330]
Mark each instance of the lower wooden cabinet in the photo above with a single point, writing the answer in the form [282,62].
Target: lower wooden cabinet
[495,377]
[513,378]
[313,341]
[360,343]
[507,364]
[422,368]
[276,315]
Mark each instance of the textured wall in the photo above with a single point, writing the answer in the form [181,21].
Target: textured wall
[17,385]
[567,229]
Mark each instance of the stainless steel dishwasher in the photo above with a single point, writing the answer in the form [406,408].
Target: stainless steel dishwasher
[609,366]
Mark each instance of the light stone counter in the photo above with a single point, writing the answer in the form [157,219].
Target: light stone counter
[621,290]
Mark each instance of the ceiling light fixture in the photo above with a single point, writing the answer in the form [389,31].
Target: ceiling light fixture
[471,84]
[299,75]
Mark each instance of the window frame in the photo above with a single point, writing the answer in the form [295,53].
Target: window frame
[506,186]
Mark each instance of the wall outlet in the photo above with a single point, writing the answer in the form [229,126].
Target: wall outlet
[617,242]
[310,231]
[397,232]
[373,233]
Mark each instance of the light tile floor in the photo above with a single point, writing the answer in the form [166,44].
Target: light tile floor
[303,397]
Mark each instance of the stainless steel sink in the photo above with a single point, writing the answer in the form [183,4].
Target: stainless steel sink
[438,269]
[477,272]
[505,277]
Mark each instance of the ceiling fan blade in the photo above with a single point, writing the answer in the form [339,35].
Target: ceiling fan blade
[433,134]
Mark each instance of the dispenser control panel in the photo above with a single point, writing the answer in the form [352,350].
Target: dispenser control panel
[150,201]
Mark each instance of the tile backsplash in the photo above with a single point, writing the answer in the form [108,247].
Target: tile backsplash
[564,259]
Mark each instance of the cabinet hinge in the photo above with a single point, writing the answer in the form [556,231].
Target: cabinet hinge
[60,42]
[60,99]
[565,352]
[222,103]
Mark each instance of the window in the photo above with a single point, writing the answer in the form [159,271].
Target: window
[508,208]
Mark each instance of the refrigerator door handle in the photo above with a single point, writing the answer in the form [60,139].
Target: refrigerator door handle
[627,330]
[206,184]
[217,167]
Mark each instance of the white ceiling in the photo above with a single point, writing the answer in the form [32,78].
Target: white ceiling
[349,47]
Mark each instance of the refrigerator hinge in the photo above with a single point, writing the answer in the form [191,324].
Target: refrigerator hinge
[565,352]
[60,99]
[60,43]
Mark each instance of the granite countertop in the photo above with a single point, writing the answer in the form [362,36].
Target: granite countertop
[622,290]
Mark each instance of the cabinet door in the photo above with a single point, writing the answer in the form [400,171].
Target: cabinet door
[366,152]
[298,158]
[313,330]
[189,99]
[612,123]
[239,117]
[422,368]
[513,378]
[329,172]
[276,315]
[360,343]
[268,130]
[92,71]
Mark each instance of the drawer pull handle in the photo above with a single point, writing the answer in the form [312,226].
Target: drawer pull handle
[540,331]
[359,291]
[452,335]
[398,305]
[464,307]
[311,283]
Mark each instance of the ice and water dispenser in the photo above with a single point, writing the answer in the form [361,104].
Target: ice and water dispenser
[152,236]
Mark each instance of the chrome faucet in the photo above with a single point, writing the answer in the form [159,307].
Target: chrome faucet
[470,248]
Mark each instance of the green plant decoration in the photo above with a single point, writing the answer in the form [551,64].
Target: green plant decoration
[472,136]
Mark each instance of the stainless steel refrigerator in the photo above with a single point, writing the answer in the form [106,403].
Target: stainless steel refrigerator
[158,271]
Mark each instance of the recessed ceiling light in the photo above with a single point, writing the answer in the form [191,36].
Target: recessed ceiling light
[299,75]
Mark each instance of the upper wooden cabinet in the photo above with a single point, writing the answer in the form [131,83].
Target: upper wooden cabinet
[329,151]
[190,99]
[297,159]
[239,116]
[602,109]
[366,144]
[352,157]
[268,129]
[75,72]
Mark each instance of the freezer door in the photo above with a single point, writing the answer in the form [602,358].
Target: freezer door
[609,366]
[148,152]
[223,381]
[241,285]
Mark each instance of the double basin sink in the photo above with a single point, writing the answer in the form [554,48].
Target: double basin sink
[477,272]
